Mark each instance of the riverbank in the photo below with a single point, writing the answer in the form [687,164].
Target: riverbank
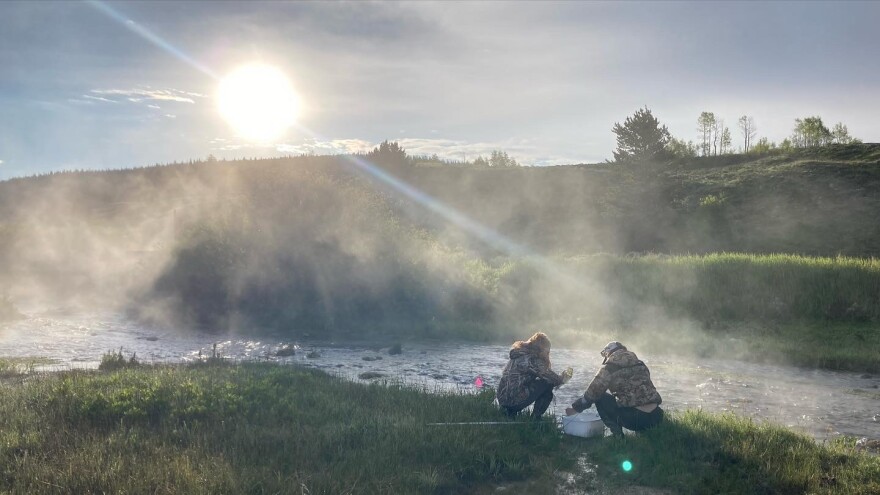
[264,428]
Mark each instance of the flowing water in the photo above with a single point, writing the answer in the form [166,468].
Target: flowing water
[821,403]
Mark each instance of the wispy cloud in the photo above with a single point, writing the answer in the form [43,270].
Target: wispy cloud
[138,95]
[98,98]
[444,148]
[455,149]
[332,147]
[524,151]
[306,147]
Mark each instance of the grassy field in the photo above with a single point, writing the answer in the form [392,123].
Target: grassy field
[719,287]
[255,429]
[740,287]
[263,428]
[697,452]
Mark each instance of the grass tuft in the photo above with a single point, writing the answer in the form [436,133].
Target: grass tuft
[115,360]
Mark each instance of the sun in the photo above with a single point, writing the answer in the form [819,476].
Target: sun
[258,101]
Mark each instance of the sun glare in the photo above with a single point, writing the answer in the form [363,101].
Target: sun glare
[258,102]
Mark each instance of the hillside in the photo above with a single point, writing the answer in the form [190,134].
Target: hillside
[814,202]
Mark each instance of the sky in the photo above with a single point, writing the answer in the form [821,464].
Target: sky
[97,85]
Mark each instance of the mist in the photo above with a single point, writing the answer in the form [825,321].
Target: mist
[316,247]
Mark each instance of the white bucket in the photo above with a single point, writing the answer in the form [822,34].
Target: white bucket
[585,424]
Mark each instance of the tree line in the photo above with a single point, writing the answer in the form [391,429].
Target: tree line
[642,137]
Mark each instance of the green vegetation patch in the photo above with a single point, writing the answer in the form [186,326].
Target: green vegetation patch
[697,452]
[257,428]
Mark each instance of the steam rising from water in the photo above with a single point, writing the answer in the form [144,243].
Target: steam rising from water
[342,246]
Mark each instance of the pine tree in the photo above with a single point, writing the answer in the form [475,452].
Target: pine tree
[640,138]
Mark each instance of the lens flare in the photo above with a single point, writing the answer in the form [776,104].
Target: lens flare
[626,466]
[150,36]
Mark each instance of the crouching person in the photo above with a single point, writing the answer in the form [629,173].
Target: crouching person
[633,402]
[528,378]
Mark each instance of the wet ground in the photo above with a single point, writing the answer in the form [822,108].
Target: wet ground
[821,403]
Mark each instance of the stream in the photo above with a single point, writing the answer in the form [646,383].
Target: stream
[821,403]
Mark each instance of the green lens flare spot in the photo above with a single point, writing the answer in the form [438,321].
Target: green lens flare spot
[626,466]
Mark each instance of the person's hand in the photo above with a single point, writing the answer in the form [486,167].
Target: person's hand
[581,404]
[570,411]
[566,375]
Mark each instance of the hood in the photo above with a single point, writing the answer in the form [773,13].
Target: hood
[624,359]
[537,345]
[520,348]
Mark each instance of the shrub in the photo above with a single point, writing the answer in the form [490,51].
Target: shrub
[115,360]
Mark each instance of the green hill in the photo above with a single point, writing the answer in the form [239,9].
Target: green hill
[814,202]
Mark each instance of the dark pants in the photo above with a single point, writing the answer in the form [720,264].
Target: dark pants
[541,394]
[630,418]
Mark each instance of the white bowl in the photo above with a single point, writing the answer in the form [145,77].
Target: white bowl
[585,424]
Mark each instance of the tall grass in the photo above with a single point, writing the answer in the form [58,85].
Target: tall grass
[255,428]
[810,311]
[722,287]
[737,286]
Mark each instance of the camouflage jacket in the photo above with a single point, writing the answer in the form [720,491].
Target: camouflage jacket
[628,380]
[520,377]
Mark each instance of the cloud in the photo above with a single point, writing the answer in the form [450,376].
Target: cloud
[137,95]
[310,146]
[98,98]
[332,147]
[525,151]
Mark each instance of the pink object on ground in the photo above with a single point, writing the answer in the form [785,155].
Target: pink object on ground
[478,382]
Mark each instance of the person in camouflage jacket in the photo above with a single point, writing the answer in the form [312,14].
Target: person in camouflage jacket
[528,378]
[633,402]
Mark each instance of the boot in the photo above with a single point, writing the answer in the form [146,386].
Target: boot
[616,430]
[542,403]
